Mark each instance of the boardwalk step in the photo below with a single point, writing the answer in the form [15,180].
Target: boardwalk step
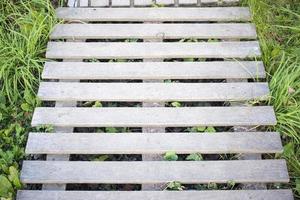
[159,2]
[154,14]
[154,70]
[147,31]
[121,172]
[151,92]
[157,195]
[154,117]
[159,143]
[103,3]
[113,50]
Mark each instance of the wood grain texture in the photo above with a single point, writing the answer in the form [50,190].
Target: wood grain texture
[154,117]
[158,143]
[157,195]
[152,92]
[122,172]
[155,14]
[113,50]
[146,31]
[154,70]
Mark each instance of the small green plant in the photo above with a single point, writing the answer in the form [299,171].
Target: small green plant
[171,156]
[202,129]
[194,157]
[175,185]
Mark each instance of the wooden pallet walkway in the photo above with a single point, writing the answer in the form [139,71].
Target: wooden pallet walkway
[91,59]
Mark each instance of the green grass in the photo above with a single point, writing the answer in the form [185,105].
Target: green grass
[278,26]
[24,32]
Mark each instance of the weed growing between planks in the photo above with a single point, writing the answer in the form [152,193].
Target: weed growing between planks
[24,32]
[278,26]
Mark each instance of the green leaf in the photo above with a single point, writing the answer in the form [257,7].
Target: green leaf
[14,177]
[97,104]
[25,107]
[176,104]
[288,150]
[101,158]
[194,157]
[111,130]
[200,128]
[210,129]
[188,59]
[175,185]
[6,187]
[171,156]
[297,188]
[212,186]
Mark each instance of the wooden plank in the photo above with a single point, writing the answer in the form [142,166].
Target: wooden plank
[83,3]
[154,117]
[154,70]
[113,50]
[143,2]
[122,172]
[188,2]
[120,3]
[157,195]
[146,31]
[165,2]
[158,143]
[99,3]
[151,92]
[155,14]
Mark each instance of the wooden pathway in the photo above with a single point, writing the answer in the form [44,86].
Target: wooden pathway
[88,57]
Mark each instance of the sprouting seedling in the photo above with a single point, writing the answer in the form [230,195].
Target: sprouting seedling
[97,104]
[194,157]
[176,104]
[231,184]
[175,185]
[171,156]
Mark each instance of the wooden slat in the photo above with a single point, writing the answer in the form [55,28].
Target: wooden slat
[111,50]
[157,195]
[120,3]
[154,117]
[165,2]
[153,70]
[188,2]
[146,31]
[122,172]
[143,2]
[99,3]
[151,92]
[155,14]
[104,3]
[158,143]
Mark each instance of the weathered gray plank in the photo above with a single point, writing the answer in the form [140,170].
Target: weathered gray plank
[154,70]
[249,171]
[104,3]
[157,195]
[158,143]
[120,3]
[154,117]
[188,2]
[165,2]
[151,92]
[99,3]
[111,50]
[155,14]
[143,2]
[164,31]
